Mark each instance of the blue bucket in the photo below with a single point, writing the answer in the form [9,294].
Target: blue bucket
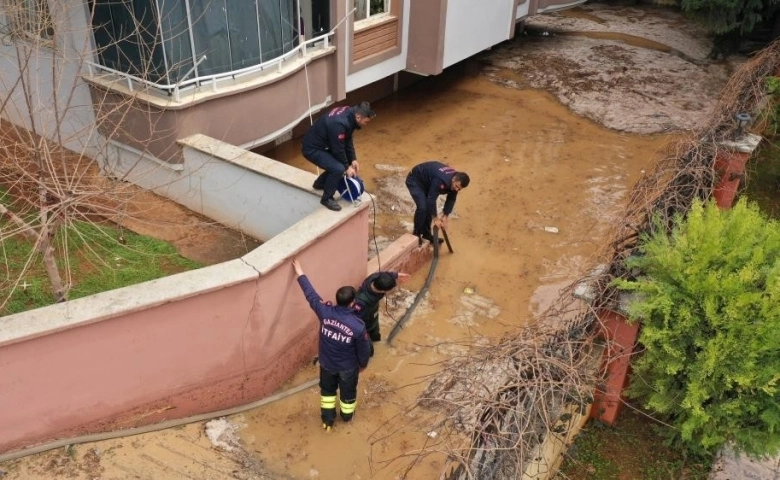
[351,188]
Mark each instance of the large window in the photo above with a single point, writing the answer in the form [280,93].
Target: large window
[168,41]
[365,9]
[29,19]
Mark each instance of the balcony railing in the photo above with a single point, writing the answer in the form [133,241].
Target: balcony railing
[212,82]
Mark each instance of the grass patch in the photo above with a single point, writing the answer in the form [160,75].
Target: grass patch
[90,259]
[633,449]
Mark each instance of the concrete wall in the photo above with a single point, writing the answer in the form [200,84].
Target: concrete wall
[248,113]
[190,343]
[427,24]
[215,181]
[48,72]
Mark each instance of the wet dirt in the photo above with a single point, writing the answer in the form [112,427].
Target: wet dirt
[194,236]
[533,164]
[633,69]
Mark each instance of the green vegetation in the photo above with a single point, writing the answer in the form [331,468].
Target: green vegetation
[762,184]
[709,302]
[763,180]
[633,448]
[725,16]
[772,111]
[96,261]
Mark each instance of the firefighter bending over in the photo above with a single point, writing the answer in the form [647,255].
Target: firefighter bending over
[426,182]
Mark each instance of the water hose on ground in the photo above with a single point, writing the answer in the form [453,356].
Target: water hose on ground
[399,325]
[96,437]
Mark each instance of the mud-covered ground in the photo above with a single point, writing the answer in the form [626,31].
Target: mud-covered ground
[633,69]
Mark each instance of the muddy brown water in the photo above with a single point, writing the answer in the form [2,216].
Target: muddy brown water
[532,164]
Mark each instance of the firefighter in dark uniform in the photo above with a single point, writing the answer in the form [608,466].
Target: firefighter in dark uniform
[370,293]
[426,182]
[328,144]
[344,349]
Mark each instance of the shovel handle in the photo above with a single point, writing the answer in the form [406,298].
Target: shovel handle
[447,240]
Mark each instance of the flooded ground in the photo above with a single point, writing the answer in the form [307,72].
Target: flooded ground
[533,164]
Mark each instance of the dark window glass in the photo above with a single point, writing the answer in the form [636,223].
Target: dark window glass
[210,33]
[244,35]
[127,37]
[176,39]
[320,13]
[133,36]
[289,32]
[270,29]
[278,31]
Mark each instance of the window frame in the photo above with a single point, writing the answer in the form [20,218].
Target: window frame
[371,18]
[19,20]
[194,60]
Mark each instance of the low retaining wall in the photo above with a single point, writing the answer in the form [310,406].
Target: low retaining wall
[191,343]
[403,255]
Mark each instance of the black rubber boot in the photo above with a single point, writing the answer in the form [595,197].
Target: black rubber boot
[331,204]
[430,238]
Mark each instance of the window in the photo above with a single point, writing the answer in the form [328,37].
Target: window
[29,19]
[169,41]
[365,9]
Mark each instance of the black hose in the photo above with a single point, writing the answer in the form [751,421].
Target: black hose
[399,325]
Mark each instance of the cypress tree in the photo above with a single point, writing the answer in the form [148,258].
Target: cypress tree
[709,303]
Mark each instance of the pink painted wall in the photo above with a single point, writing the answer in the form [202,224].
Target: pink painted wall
[621,338]
[194,353]
[730,167]
[156,130]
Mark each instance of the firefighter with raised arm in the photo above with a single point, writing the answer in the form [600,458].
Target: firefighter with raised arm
[344,349]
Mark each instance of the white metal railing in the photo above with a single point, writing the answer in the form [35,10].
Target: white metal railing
[175,89]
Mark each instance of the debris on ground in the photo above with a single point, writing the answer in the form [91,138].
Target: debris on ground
[222,434]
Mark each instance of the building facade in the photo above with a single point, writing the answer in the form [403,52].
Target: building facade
[124,81]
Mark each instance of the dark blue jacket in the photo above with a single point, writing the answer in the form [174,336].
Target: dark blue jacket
[333,132]
[367,300]
[435,178]
[344,343]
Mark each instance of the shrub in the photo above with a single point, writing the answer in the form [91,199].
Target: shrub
[709,303]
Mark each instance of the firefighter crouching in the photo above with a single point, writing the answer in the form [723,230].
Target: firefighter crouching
[344,349]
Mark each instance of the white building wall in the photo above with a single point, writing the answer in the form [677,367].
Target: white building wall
[473,26]
[237,188]
[523,9]
[383,69]
[60,99]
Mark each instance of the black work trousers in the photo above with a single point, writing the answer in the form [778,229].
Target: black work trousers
[345,383]
[333,170]
[422,217]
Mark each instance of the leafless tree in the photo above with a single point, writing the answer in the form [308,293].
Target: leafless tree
[48,171]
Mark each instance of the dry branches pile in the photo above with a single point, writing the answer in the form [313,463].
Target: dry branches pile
[503,400]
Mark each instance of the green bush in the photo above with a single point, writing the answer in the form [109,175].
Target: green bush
[772,111]
[709,303]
